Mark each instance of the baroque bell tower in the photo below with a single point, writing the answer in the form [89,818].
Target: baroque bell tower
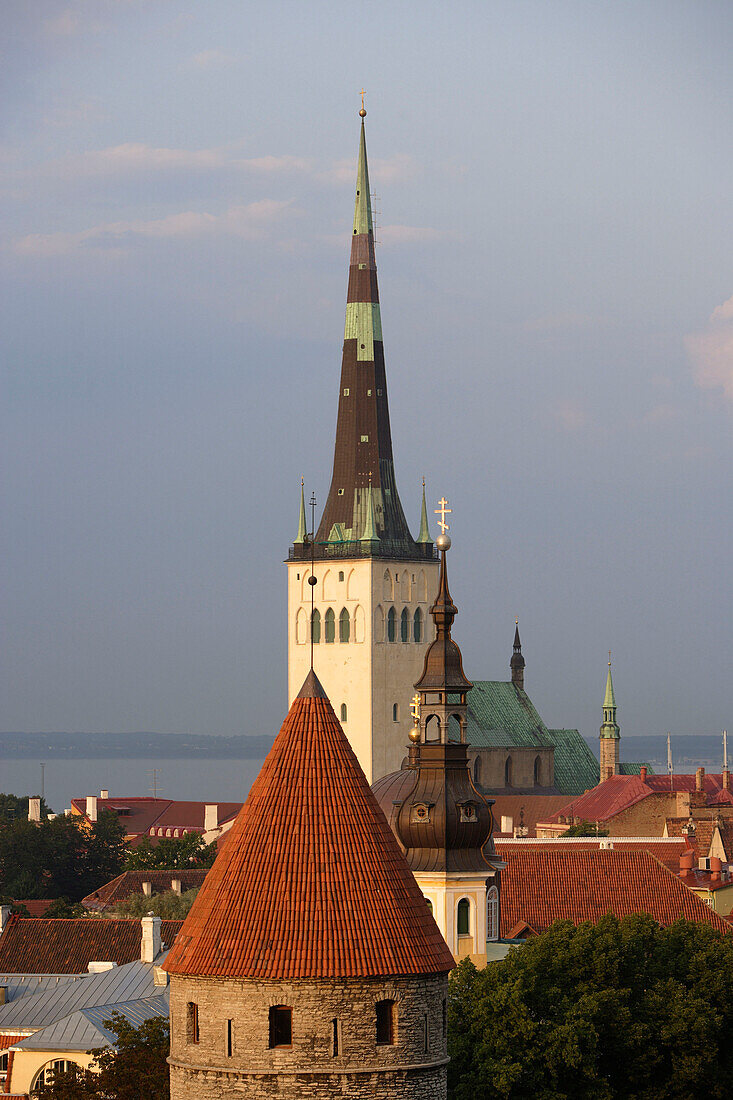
[369,625]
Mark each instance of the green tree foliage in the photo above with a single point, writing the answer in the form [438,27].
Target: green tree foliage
[168,905]
[65,857]
[619,1009]
[62,908]
[15,808]
[171,853]
[585,828]
[136,1070]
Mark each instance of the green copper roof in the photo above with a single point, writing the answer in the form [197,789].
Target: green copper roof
[302,528]
[501,715]
[609,699]
[370,527]
[424,535]
[363,205]
[634,768]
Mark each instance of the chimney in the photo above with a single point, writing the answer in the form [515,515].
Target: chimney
[5,911]
[686,859]
[176,885]
[700,779]
[148,889]
[716,866]
[34,809]
[642,773]
[104,794]
[726,779]
[211,817]
[150,943]
[92,807]
[507,825]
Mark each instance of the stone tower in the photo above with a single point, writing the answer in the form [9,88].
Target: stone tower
[517,662]
[441,819]
[610,734]
[373,578]
[309,964]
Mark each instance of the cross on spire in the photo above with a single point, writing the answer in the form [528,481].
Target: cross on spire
[443,510]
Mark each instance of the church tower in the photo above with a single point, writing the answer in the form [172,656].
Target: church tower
[370,600]
[309,964]
[610,734]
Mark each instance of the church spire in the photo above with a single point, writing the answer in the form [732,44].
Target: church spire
[302,525]
[517,662]
[610,734]
[363,438]
[424,536]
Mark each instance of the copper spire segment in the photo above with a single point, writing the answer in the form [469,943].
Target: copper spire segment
[311,882]
[363,436]
[443,669]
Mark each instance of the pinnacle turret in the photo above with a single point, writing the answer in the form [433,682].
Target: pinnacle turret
[610,734]
[517,661]
[302,534]
[424,537]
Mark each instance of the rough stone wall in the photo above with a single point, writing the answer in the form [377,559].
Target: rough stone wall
[308,1068]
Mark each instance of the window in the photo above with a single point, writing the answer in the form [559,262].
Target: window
[463,922]
[341,574]
[508,772]
[369,393]
[364,438]
[417,626]
[391,625]
[404,625]
[335,1046]
[45,1077]
[344,625]
[477,771]
[192,1022]
[330,625]
[537,767]
[341,492]
[281,1026]
[385,1023]
[395,712]
[230,1038]
[344,712]
[429,904]
[316,627]
[492,914]
[425,1033]
[346,393]
[3,1066]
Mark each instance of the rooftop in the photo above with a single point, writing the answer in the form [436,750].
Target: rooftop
[55,946]
[84,1029]
[621,792]
[131,882]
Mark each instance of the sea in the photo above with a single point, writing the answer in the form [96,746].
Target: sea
[200,780]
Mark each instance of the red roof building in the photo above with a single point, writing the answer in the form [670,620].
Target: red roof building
[55,946]
[156,818]
[146,882]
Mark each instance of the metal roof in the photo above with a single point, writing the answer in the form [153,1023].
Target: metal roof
[123,983]
[20,985]
[84,1029]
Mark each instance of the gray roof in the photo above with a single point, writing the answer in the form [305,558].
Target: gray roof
[123,983]
[84,1029]
[20,985]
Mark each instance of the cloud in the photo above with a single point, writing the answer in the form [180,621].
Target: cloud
[711,351]
[211,59]
[249,222]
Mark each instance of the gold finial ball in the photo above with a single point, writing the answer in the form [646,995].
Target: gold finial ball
[414,734]
[362,113]
[443,542]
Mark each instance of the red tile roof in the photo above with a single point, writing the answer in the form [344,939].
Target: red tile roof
[620,792]
[131,882]
[139,815]
[666,850]
[9,1040]
[36,906]
[310,882]
[55,946]
[541,886]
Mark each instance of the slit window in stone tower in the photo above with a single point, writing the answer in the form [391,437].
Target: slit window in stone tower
[192,1022]
[385,1023]
[405,625]
[281,1026]
[417,626]
[230,1038]
[335,1045]
[344,626]
[391,625]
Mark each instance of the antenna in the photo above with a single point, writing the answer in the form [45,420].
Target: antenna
[670,767]
[154,789]
[725,750]
[312,578]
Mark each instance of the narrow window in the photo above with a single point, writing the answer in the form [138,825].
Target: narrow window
[477,771]
[492,914]
[335,1049]
[344,712]
[330,624]
[405,625]
[395,712]
[364,438]
[281,1026]
[316,627]
[464,917]
[192,1022]
[344,625]
[508,772]
[230,1038]
[346,393]
[385,1023]
[445,1017]
[425,1033]
[391,625]
[341,574]
[537,766]
[417,626]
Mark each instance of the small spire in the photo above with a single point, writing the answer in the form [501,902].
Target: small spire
[609,699]
[302,526]
[370,527]
[517,661]
[424,535]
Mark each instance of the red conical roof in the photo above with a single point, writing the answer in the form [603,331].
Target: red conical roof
[311,882]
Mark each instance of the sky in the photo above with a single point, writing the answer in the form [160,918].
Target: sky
[555,197]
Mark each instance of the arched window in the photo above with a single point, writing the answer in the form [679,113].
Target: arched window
[387,585]
[391,625]
[463,917]
[537,771]
[344,712]
[429,904]
[360,624]
[405,625]
[492,913]
[477,771]
[301,627]
[508,772]
[417,626]
[344,626]
[395,712]
[329,620]
[316,626]
[45,1076]
[385,1013]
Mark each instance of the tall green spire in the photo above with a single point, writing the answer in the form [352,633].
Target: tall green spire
[609,727]
[424,535]
[302,527]
[363,205]
[609,698]
[370,527]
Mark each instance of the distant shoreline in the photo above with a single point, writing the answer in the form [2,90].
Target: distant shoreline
[131,746]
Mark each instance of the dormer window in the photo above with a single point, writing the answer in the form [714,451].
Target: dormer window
[467,811]
[420,813]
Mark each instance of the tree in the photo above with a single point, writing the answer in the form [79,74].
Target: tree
[134,1069]
[619,1009]
[585,828]
[15,808]
[171,853]
[168,905]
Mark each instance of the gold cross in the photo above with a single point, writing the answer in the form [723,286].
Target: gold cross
[415,708]
[362,99]
[443,511]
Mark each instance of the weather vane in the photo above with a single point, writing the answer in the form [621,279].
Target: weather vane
[443,510]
